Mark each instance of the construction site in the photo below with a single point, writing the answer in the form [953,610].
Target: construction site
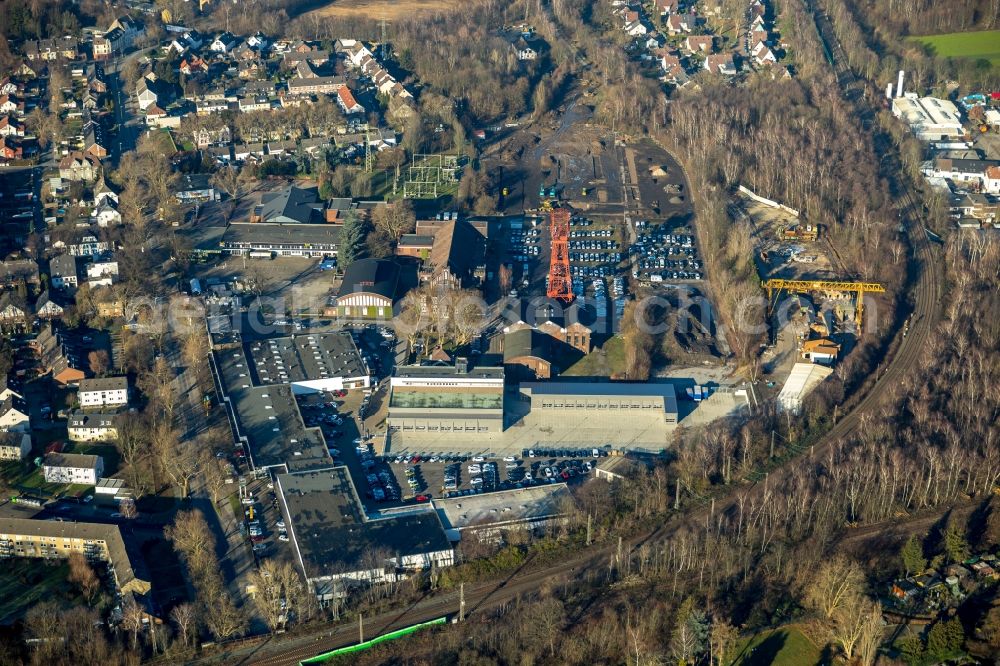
[816,309]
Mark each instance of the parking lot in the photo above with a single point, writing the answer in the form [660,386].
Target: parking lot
[663,254]
[446,475]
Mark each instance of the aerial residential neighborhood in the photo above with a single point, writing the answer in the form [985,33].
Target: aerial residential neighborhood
[541,332]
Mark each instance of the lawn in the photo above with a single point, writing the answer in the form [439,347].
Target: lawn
[983,45]
[388,9]
[607,361]
[26,582]
[781,647]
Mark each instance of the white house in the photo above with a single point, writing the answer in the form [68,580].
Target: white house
[762,54]
[106,215]
[14,445]
[62,271]
[635,29]
[224,43]
[73,468]
[103,392]
[991,180]
[92,427]
[145,94]
[347,103]
[102,273]
[13,416]
[929,118]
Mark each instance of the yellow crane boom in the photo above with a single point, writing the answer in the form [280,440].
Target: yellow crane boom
[775,286]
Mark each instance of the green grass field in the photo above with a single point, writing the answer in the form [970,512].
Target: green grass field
[984,45]
[25,582]
[781,647]
[607,361]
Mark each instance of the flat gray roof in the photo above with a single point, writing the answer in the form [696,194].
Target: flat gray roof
[233,369]
[446,372]
[609,389]
[507,506]
[270,421]
[332,535]
[307,357]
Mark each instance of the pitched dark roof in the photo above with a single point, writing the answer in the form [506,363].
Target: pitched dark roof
[371,276]
[292,205]
[527,342]
[459,247]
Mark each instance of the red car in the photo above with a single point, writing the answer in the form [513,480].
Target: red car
[422,498]
[565,474]
[257,539]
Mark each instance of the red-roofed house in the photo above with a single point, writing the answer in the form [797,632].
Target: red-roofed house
[347,102]
[720,63]
[10,151]
[699,44]
[10,127]
[991,180]
[678,23]
[666,6]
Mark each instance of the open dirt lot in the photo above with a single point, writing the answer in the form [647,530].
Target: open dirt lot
[388,9]
[789,260]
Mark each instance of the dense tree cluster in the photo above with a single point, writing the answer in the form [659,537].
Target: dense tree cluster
[460,56]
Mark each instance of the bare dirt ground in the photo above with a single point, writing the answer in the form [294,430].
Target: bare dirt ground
[388,9]
[767,223]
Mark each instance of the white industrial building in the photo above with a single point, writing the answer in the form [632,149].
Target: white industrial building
[311,363]
[802,380]
[929,118]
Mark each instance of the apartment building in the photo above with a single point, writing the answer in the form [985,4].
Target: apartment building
[72,468]
[103,392]
[24,537]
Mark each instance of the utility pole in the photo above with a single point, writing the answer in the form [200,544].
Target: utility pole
[461,602]
[383,40]
[590,520]
[361,628]
[772,444]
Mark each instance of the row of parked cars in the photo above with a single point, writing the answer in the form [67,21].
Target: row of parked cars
[663,255]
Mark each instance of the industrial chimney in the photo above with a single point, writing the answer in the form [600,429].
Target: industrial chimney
[888,91]
[899,84]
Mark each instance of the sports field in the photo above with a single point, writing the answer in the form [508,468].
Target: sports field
[983,45]
[387,9]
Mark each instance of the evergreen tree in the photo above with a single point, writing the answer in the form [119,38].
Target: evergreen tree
[690,635]
[353,240]
[956,545]
[945,638]
[912,555]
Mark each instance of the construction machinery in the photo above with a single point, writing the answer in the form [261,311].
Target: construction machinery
[560,282]
[775,286]
[800,232]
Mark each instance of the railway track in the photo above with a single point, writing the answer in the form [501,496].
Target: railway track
[925,287]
